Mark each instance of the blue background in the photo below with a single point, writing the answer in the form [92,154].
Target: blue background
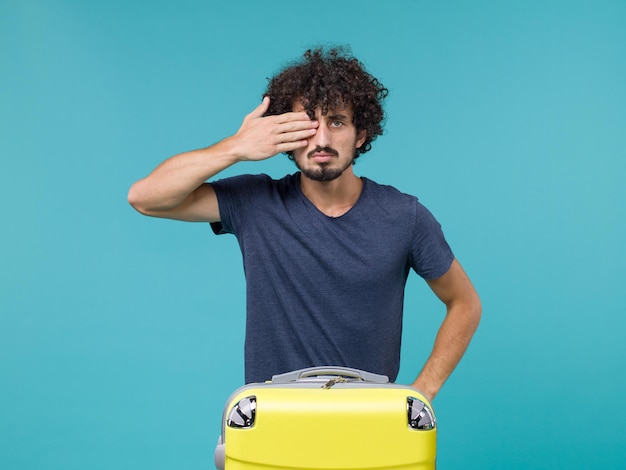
[121,336]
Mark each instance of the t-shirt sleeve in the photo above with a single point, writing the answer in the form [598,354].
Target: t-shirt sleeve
[234,197]
[431,256]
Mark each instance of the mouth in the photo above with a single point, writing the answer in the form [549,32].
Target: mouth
[324,155]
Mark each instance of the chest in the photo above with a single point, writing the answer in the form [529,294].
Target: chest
[364,248]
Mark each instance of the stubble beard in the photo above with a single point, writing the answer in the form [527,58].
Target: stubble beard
[324,171]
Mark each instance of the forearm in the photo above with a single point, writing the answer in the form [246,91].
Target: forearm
[176,178]
[451,342]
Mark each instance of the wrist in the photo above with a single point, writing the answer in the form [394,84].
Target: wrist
[426,389]
[227,151]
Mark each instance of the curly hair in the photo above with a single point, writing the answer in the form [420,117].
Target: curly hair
[329,80]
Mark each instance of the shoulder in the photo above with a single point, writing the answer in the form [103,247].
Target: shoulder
[386,190]
[241,181]
[246,197]
[389,197]
[400,204]
[252,184]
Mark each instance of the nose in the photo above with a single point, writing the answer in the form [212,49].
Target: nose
[322,136]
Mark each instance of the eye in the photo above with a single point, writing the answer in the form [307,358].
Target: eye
[336,123]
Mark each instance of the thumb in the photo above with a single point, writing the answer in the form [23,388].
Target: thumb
[261,109]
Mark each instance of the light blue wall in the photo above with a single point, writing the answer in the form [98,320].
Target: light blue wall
[121,336]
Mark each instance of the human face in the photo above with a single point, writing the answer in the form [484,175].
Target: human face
[331,150]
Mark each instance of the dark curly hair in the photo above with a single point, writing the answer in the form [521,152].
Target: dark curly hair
[331,79]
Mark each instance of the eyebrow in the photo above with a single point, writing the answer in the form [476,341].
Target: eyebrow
[338,116]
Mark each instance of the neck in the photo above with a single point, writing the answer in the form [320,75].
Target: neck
[333,198]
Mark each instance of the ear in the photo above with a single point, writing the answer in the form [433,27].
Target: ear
[360,138]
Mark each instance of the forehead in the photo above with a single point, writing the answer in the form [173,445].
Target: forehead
[344,110]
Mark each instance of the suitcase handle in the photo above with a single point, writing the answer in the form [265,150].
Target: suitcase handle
[300,374]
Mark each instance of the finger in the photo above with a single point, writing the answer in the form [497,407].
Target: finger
[261,109]
[296,135]
[292,117]
[289,146]
[297,126]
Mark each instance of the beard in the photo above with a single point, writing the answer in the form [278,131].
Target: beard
[324,171]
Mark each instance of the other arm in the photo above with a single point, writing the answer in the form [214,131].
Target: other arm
[463,311]
[177,188]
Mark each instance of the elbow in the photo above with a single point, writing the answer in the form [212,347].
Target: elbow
[476,310]
[470,310]
[466,313]
[135,200]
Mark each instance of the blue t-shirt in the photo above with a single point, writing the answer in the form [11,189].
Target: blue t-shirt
[326,290]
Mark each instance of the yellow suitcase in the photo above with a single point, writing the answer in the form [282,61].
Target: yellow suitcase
[327,418]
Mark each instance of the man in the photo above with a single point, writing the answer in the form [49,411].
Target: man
[326,253]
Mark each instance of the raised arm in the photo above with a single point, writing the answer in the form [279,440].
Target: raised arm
[462,317]
[177,188]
